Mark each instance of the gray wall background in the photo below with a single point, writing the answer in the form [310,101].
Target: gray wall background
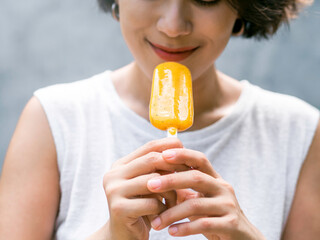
[54,41]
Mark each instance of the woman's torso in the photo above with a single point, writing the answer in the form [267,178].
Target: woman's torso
[258,148]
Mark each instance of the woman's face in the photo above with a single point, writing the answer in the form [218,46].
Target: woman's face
[192,32]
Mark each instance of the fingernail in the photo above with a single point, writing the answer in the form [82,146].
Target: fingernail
[169,154]
[173,230]
[154,183]
[156,223]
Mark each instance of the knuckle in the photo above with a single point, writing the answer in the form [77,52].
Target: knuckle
[195,205]
[233,222]
[149,161]
[109,183]
[227,186]
[110,190]
[118,208]
[196,176]
[203,158]
[107,178]
[169,181]
[152,157]
[230,204]
[152,145]
[206,224]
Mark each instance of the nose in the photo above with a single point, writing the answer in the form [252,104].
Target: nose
[175,20]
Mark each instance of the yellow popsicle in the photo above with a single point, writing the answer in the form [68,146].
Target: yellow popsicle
[171,102]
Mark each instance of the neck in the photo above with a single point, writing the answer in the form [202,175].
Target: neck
[215,94]
[206,91]
[134,88]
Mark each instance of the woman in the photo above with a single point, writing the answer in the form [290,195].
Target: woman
[248,168]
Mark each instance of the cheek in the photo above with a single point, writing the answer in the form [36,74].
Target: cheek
[219,25]
[131,22]
[217,29]
[215,34]
[218,21]
[135,25]
[134,17]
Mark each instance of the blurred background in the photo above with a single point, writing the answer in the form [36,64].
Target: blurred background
[54,41]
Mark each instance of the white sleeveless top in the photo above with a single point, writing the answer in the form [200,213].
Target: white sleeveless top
[259,149]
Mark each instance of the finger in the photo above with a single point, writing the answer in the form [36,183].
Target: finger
[150,218]
[194,159]
[137,207]
[151,162]
[193,179]
[152,146]
[185,194]
[167,198]
[153,195]
[136,186]
[212,226]
[189,209]
[147,219]
[145,206]
[170,198]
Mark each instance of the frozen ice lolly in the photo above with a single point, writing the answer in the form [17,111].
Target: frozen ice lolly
[171,102]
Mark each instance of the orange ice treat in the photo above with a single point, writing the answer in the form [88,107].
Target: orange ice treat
[171,103]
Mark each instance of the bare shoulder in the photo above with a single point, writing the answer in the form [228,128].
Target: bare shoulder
[304,217]
[29,183]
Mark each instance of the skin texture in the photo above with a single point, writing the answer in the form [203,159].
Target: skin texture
[213,210]
[304,218]
[126,186]
[29,185]
[177,24]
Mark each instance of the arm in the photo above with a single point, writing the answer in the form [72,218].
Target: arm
[29,184]
[304,218]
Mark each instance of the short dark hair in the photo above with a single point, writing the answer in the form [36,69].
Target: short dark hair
[261,18]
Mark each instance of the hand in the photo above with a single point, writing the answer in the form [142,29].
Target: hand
[212,208]
[131,204]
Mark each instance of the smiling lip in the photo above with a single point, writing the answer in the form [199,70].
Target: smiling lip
[172,54]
